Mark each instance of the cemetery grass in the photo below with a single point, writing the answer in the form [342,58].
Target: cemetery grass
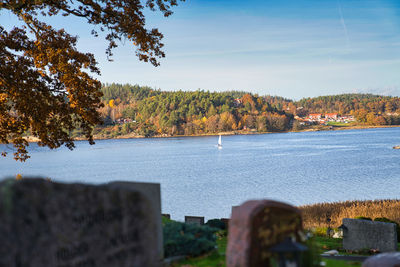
[339,263]
[213,259]
[217,257]
[324,243]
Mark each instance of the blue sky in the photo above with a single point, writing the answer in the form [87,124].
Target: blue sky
[290,48]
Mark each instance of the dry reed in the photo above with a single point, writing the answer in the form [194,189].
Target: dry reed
[316,215]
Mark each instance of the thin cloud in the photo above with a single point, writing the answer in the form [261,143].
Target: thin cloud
[343,24]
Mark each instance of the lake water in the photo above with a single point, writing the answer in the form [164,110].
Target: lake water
[199,179]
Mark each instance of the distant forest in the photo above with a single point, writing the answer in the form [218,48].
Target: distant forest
[366,108]
[146,111]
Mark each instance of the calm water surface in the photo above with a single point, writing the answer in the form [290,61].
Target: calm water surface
[199,179]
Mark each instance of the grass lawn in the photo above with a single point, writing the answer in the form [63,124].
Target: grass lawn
[217,257]
[324,243]
[341,124]
[214,259]
[339,263]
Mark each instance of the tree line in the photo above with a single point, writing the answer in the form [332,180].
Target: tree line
[148,111]
[366,108]
[157,112]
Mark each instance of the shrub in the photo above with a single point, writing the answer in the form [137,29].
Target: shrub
[315,215]
[320,231]
[165,220]
[363,218]
[216,223]
[188,239]
[311,257]
[383,219]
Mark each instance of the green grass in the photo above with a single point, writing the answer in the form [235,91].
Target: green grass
[324,243]
[339,263]
[213,259]
[341,124]
[217,257]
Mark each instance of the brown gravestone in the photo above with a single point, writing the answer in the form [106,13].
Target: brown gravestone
[255,227]
[47,224]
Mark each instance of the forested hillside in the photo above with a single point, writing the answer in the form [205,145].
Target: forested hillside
[145,111]
[157,112]
[367,108]
[347,103]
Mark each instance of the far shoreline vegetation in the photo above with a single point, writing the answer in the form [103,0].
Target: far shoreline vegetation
[133,111]
[32,139]
[309,129]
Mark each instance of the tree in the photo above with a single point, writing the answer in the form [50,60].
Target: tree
[261,123]
[380,120]
[212,123]
[45,85]
[370,118]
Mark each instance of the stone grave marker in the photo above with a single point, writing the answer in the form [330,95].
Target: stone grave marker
[48,224]
[363,234]
[152,193]
[233,207]
[388,259]
[194,219]
[255,227]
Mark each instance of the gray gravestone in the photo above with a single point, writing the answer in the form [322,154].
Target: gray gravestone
[363,234]
[194,219]
[152,193]
[47,224]
[391,259]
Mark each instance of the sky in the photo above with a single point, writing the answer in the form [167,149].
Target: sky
[290,48]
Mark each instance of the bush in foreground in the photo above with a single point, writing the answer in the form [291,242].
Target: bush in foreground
[188,239]
[216,223]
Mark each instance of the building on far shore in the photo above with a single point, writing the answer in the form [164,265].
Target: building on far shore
[315,116]
[331,116]
[319,118]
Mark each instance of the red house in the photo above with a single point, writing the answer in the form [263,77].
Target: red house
[315,116]
[332,116]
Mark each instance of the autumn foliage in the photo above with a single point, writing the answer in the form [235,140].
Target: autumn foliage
[157,112]
[164,113]
[315,215]
[46,87]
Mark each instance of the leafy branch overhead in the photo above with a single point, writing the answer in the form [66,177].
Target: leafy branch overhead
[45,82]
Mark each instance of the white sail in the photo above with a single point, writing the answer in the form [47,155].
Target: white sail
[219,141]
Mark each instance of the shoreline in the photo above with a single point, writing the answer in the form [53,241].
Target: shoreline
[317,128]
[243,132]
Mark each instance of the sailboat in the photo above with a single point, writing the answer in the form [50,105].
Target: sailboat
[219,142]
